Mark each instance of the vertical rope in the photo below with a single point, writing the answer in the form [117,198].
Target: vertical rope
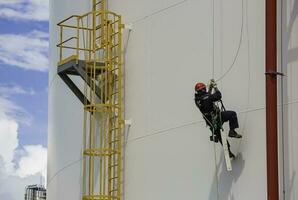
[238,49]
[248,68]
[213,72]
[215,156]
[213,38]
[216,167]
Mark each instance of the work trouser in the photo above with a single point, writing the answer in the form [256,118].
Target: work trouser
[227,116]
[230,116]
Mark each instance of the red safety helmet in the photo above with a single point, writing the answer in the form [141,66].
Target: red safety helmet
[200,86]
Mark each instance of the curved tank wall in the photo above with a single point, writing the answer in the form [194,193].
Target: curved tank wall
[65,116]
[167,153]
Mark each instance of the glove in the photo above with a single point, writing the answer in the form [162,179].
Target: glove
[213,83]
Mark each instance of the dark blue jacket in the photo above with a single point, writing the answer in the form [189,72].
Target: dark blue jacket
[205,101]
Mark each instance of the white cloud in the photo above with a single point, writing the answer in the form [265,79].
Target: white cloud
[9,110]
[13,187]
[11,115]
[39,34]
[6,91]
[25,51]
[3,2]
[29,167]
[32,159]
[33,162]
[8,142]
[37,10]
[7,107]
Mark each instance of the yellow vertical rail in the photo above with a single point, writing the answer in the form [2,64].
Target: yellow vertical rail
[110,85]
[61,39]
[120,120]
[78,40]
[102,21]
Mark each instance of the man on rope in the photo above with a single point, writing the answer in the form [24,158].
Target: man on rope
[214,117]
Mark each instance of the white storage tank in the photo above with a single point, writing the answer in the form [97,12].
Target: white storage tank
[172,44]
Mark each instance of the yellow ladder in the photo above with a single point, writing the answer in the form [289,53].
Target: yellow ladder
[98,43]
[103,115]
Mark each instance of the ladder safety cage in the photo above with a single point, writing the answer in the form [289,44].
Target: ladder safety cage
[91,47]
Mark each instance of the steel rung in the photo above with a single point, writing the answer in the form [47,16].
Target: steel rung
[115,165]
[113,178]
[113,141]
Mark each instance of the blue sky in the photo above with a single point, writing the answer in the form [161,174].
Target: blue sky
[23,94]
[35,104]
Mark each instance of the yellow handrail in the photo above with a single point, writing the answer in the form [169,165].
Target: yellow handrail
[58,45]
[72,16]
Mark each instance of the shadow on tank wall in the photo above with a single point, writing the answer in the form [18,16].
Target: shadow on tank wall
[226,179]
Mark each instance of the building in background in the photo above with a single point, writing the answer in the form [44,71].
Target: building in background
[173,44]
[35,192]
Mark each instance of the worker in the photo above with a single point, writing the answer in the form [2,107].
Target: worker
[205,101]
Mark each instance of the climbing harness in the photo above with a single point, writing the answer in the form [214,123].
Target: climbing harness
[214,120]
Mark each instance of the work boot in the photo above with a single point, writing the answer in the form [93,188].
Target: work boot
[234,134]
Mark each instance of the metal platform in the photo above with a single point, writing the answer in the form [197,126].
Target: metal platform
[73,67]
